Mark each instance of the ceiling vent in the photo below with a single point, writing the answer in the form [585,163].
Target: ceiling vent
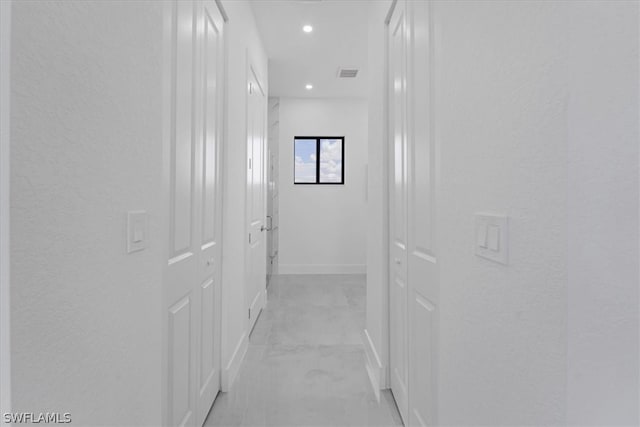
[347,73]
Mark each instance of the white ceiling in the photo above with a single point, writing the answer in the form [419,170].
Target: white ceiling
[339,39]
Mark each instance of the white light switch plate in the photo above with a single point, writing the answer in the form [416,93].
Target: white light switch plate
[137,230]
[492,237]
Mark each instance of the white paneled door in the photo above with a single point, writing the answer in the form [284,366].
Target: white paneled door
[413,191]
[256,196]
[422,192]
[398,292]
[192,277]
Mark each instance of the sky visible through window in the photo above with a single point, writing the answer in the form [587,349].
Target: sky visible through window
[305,160]
[330,160]
[330,164]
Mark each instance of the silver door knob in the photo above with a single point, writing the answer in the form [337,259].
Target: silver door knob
[398,261]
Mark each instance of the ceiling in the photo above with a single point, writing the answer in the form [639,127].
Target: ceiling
[296,58]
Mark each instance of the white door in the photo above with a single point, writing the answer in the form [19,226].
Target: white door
[421,186]
[414,279]
[256,200]
[212,105]
[398,291]
[192,276]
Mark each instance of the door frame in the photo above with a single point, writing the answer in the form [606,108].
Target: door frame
[5,116]
[377,354]
[386,332]
[222,308]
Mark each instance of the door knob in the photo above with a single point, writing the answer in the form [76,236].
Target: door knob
[398,261]
[263,228]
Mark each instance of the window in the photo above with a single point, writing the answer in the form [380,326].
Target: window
[318,160]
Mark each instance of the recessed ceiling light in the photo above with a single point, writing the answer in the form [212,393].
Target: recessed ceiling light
[309,87]
[307,28]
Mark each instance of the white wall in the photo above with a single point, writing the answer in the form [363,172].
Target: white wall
[500,109]
[322,227]
[243,44]
[539,126]
[87,132]
[536,116]
[86,125]
[5,307]
[602,354]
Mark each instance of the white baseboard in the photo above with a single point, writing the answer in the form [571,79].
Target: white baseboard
[373,364]
[255,308]
[322,269]
[229,373]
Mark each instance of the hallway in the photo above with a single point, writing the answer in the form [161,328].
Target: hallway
[305,363]
[320,213]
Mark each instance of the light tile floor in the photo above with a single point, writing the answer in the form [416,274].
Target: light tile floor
[306,365]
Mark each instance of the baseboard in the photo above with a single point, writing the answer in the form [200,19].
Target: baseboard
[373,364]
[322,269]
[255,308]
[229,373]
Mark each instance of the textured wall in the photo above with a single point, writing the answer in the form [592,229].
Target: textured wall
[322,227]
[500,108]
[537,117]
[5,306]
[86,147]
[603,357]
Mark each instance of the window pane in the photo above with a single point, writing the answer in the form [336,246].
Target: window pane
[330,160]
[305,160]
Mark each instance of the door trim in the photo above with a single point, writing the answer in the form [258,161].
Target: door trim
[167,73]
[386,297]
[222,312]
[229,372]
[377,360]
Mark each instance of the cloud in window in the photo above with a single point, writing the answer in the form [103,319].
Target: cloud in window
[305,160]
[305,171]
[330,160]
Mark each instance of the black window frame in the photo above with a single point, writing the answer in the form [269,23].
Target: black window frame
[318,139]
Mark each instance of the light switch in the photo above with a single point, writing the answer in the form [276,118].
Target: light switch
[492,237]
[137,223]
[481,236]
